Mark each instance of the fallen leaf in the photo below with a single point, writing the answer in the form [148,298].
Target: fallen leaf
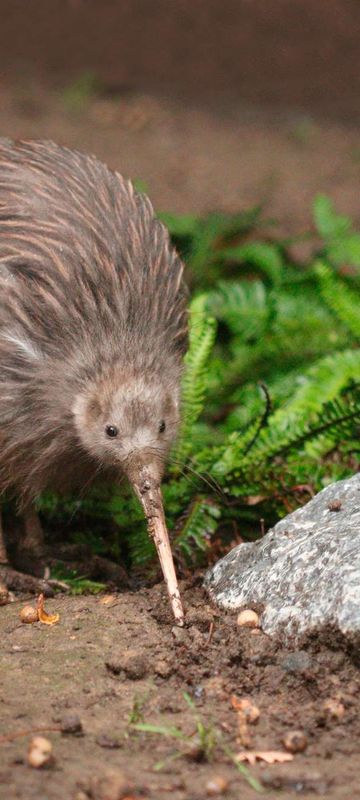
[44,617]
[269,756]
[106,599]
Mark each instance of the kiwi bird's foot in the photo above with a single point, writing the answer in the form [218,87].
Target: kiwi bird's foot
[21,582]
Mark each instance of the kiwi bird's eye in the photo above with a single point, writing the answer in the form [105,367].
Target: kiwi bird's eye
[162,426]
[111,431]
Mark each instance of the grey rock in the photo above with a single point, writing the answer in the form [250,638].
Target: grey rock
[304,574]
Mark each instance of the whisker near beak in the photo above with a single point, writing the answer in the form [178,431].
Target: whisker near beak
[147,488]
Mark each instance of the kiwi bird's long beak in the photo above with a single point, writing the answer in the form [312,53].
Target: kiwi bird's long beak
[147,488]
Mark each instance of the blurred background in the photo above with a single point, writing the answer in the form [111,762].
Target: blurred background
[213,104]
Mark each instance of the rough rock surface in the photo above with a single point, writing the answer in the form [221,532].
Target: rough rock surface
[304,575]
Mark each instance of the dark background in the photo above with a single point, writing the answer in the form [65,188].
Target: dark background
[213,103]
[296,53]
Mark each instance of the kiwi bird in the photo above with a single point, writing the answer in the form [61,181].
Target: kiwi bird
[93,330]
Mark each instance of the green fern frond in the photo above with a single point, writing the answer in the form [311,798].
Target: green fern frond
[197,527]
[246,307]
[241,443]
[217,228]
[141,546]
[264,256]
[342,245]
[328,222]
[341,415]
[201,341]
[322,382]
[343,301]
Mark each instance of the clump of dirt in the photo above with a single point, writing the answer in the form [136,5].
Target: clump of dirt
[135,707]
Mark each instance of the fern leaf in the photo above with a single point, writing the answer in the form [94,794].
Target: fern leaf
[328,222]
[217,228]
[266,257]
[322,382]
[201,341]
[246,307]
[242,443]
[182,225]
[286,432]
[343,301]
[341,414]
[199,525]
[342,245]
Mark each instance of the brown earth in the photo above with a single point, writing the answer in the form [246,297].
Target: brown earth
[114,665]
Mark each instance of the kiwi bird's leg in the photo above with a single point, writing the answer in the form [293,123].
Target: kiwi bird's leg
[148,491]
[33,540]
[13,579]
[33,548]
[3,552]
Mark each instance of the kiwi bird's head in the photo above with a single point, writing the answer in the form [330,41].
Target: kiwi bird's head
[129,422]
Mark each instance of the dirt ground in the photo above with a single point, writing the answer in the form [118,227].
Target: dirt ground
[106,667]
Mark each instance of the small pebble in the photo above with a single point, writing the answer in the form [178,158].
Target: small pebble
[111,786]
[29,614]
[110,742]
[216,785]
[40,752]
[71,724]
[248,619]
[295,741]
[335,505]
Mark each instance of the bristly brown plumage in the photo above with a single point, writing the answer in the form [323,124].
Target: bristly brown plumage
[93,323]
